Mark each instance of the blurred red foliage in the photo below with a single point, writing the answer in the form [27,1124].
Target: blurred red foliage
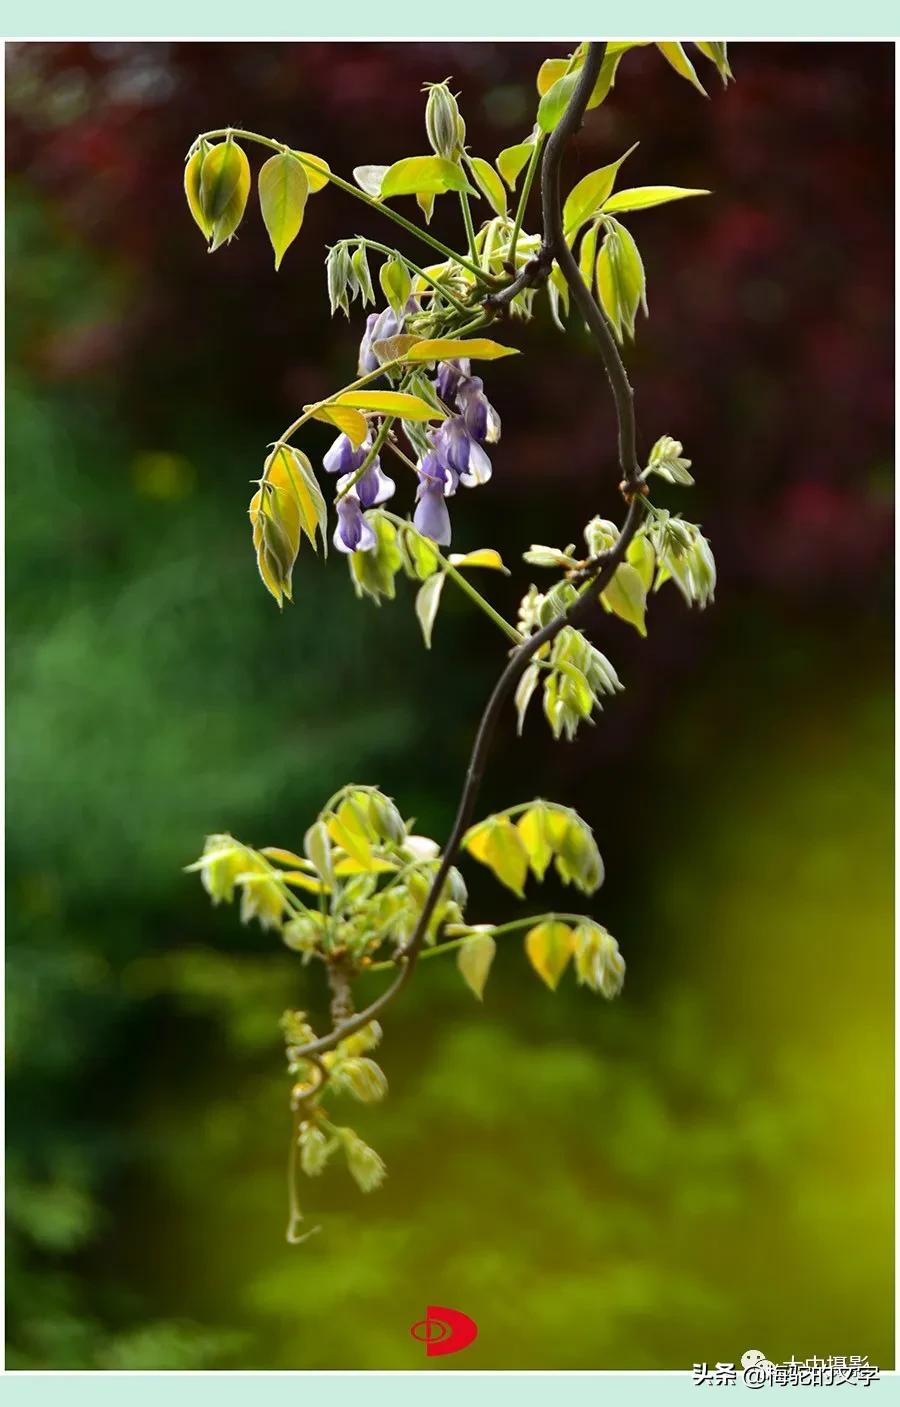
[769,352]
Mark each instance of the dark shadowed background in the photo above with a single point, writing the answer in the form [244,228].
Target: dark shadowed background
[701,1167]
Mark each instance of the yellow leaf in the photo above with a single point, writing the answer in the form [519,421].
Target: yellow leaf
[534,829]
[489,183]
[300,880]
[442,348]
[192,189]
[497,844]
[317,170]
[391,403]
[480,557]
[373,865]
[347,420]
[549,71]
[549,947]
[286,857]
[474,961]
[312,514]
[679,60]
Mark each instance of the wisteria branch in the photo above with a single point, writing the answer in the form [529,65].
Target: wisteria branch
[593,578]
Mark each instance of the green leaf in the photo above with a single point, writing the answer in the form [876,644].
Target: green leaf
[395,284]
[360,266]
[549,947]
[555,101]
[524,692]
[674,53]
[642,197]
[436,349]
[578,861]
[626,597]
[224,190]
[716,50]
[620,279]
[428,598]
[474,961]
[585,199]
[512,162]
[398,403]
[497,844]
[535,832]
[587,257]
[418,175]
[479,557]
[642,557]
[489,183]
[283,188]
[369,178]
[192,189]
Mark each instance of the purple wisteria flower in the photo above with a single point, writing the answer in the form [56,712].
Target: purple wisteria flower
[342,458]
[482,421]
[431,517]
[374,487]
[461,452]
[449,376]
[353,533]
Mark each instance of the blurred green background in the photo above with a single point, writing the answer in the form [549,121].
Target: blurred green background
[701,1167]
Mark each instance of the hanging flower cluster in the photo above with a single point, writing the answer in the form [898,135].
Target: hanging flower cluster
[367,893]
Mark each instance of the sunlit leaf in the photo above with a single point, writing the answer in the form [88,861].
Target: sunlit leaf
[550,71]
[717,51]
[395,283]
[642,557]
[621,282]
[415,175]
[310,502]
[534,829]
[283,188]
[674,52]
[512,162]
[474,961]
[549,947]
[480,557]
[626,596]
[317,170]
[524,692]
[437,349]
[350,422]
[192,189]
[428,598]
[585,199]
[555,101]
[390,403]
[224,190]
[497,844]
[642,197]
[425,202]
[489,183]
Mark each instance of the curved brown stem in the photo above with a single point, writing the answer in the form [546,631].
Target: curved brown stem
[602,569]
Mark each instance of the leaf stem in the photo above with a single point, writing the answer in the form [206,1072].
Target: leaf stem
[470,228]
[482,931]
[448,568]
[349,189]
[379,440]
[435,283]
[523,198]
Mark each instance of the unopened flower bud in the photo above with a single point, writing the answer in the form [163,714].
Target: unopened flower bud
[443,123]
